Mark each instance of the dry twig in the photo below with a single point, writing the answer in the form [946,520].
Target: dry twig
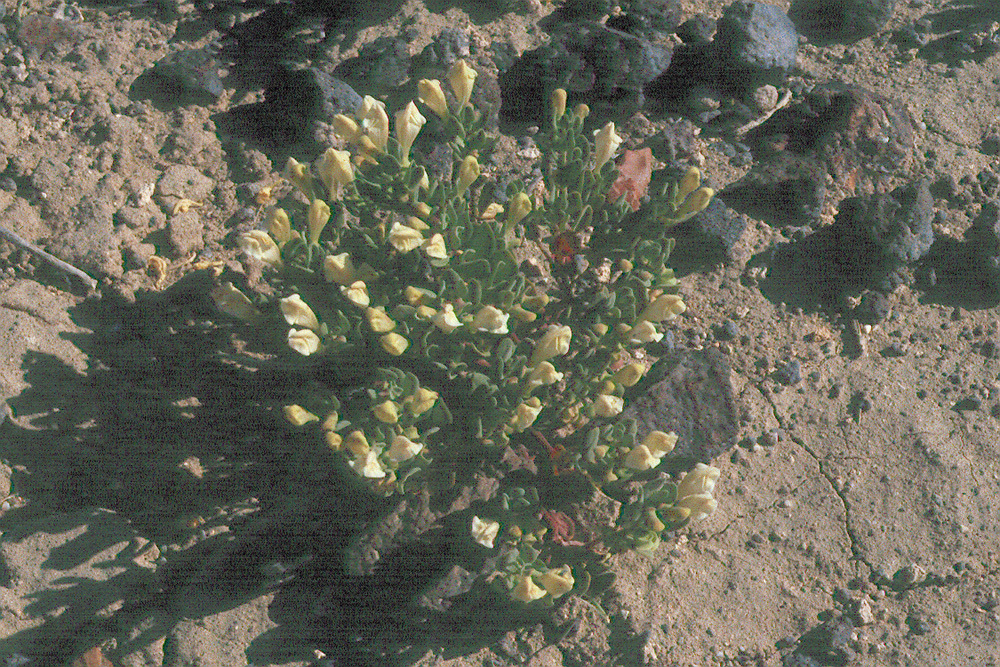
[31,247]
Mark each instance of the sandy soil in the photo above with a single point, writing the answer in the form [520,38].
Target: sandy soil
[860,493]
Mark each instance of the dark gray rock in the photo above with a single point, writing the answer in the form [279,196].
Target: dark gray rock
[689,392]
[897,224]
[755,43]
[700,28]
[843,21]
[195,72]
[782,190]
[379,66]
[789,374]
[708,238]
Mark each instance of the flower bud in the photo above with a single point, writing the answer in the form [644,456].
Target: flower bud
[434,247]
[526,414]
[554,343]
[665,307]
[522,315]
[420,401]
[629,375]
[330,422]
[491,320]
[484,531]
[526,590]
[557,582]
[404,238]
[416,296]
[653,521]
[543,374]
[519,207]
[425,313]
[416,223]
[557,101]
[676,514]
[298,415]
[462,77]
[356,443]
[335,170]
[345,128]
[334,440]
[696,203]
[430,93]
[581,111]
[379,321]
[368,465]
[403,449]
[297,312]
[319,215]
[303,341]
[643,332]
[687,185]
[386,412]
[608,406]
[234,303]
[468,172]
[408,123]
[699,504]
[279,226]
[492,210]
[357,293]
[660,443]
[701,479]
[640,458]
[339,269]
[259,245]
[298,175]
[446,320]
[535,303]
[606,142]
[394,344]
[375,122]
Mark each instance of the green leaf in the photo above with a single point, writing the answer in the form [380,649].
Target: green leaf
[505,349]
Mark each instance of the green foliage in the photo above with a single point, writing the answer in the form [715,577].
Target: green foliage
[443,359]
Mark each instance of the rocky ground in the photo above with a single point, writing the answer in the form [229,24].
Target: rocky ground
[847,275]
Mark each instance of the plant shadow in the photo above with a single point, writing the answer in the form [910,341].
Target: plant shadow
[174,438]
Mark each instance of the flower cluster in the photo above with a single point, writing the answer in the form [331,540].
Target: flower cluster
[409,286]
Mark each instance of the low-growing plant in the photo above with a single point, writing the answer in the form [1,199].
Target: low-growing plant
[443,359]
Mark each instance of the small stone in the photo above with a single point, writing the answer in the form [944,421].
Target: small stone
[789,374]
[861,612]
[968,404]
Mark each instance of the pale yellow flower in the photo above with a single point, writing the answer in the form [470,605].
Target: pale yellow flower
[403,449]
[687,185]
[608,406]
[404,238]
[430,93]
[357,293]
[468,172]
[557,582]
[526,413]
[298,415]
[279,226]
[367,465]
[644,332]
[297,312]
[420,401]
[446,320]
[434,247]
[298,175]
[345,128]
[526,590]
[519,207]
[409,120]
[462,77]
[698,201]
[386,412]
[374,121]
[491,320]
[335,170]
[356,443]
[542,374]
[259,245]
[701,479]
[629,375]
[394,344]
[303,341]
[640,458]
[339,269]
[606,142]
[484,531]
[660,443]
[665,307]
[379,320]
[557,102]
[554,343]
[700,505]
[319,215]
[234,303]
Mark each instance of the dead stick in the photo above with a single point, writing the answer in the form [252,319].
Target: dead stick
[757,121]
[31,247]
